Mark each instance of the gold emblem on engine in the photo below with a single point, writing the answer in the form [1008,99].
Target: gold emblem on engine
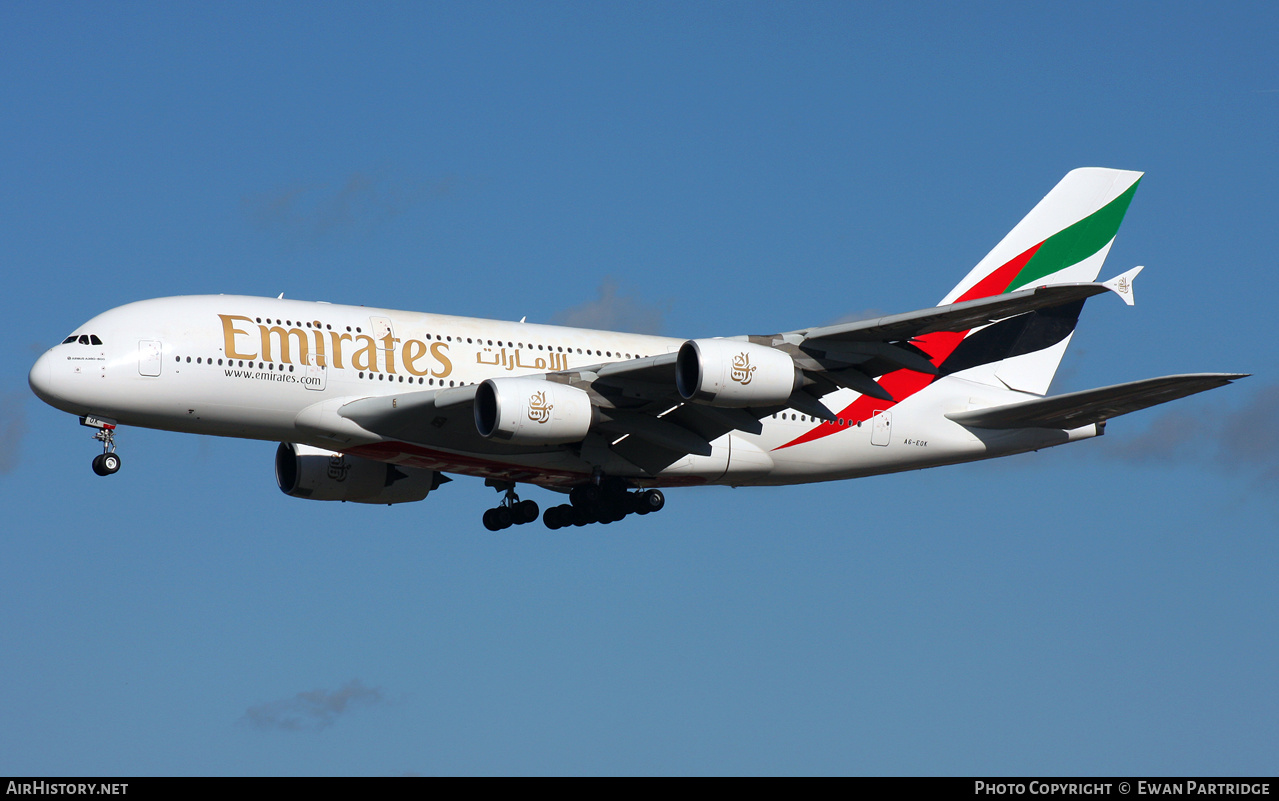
[338,467]
[539,411]
[742,372]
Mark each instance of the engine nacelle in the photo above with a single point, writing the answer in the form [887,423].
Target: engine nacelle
[320,475]
[532,411]
[727,372]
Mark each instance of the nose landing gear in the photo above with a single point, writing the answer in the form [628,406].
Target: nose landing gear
[107,462]
[104,464]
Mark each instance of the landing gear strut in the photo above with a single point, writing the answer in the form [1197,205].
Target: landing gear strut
[107,462]
[607,502]
[511,511]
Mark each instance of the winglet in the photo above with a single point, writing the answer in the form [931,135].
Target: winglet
[1121,285]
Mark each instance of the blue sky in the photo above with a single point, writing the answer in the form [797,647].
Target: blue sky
[700,168]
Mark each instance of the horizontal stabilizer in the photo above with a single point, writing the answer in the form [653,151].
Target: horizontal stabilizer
[1076,409]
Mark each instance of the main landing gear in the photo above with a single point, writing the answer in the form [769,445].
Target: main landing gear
[511,511]
[606,502]
[107,462]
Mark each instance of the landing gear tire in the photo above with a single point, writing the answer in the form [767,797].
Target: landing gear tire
[608,502]
[558,517]
[107,462]
[503,517]
[104,464]
[614,511]
[511,511]
[650,501]
[525,511]
[551,517]
[584,496]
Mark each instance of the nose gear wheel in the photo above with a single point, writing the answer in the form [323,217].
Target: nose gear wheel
[107,462]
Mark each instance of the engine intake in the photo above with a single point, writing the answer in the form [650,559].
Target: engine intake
[319,475]
[532,411]
[727,372]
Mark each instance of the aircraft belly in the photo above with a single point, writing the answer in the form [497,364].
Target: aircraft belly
[558,469]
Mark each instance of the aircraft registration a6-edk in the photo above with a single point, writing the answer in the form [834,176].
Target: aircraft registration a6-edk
[376,406]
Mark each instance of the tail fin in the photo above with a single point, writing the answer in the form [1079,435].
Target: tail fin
[1064,239]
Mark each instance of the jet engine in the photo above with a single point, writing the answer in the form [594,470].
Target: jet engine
[531,411]
[320,475]
[728,372]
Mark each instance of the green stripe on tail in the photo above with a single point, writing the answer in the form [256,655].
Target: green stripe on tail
[1076,243]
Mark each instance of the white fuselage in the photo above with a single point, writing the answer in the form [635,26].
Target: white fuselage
[278,370]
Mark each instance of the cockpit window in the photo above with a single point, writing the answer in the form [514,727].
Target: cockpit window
[83,339]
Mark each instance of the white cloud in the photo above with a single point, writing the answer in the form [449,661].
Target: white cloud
[614,312]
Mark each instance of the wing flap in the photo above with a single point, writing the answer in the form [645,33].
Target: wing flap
[1076,409]
[655,430]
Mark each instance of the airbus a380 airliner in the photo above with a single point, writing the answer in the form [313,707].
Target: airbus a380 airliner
[377,406]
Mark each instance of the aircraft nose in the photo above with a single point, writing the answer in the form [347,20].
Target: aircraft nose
[41,378]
